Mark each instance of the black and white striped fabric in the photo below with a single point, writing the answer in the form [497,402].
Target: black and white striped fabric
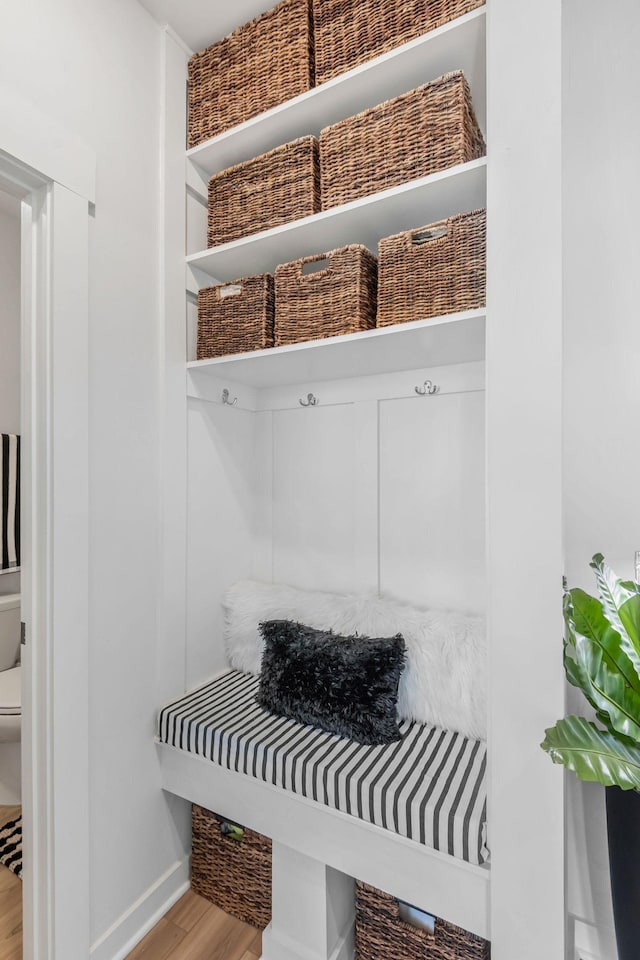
[429,787]
[11,845]
[9,501]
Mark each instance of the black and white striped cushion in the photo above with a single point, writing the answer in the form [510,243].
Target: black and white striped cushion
[429,787]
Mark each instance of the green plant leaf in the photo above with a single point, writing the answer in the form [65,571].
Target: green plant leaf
[585,617]
[578,677]
[593,754]
[600,667]
[608,691]
[575,672]
[614,593]
[630,618]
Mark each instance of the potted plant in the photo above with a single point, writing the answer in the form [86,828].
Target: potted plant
[602,658]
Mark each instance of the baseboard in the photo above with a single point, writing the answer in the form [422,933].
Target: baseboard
[142,916]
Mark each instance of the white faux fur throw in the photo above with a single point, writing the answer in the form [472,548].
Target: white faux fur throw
[444,682]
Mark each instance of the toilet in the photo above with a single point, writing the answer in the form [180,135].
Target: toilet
[10,700]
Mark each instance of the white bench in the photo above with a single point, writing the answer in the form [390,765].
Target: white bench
[219,749]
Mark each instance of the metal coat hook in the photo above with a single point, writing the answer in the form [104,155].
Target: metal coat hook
[311,401]
[225,398]
[428,389]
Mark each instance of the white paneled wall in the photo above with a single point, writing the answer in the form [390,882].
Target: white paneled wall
[357,494]
[432,500]
[601,157]
[222,493]
[314,494]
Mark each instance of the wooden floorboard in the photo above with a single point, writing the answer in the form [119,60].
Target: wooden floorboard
[195,929]
[8,813]
[10,902]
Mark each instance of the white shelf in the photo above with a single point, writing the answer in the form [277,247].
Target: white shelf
[410,205]
[440,341]
[459,45]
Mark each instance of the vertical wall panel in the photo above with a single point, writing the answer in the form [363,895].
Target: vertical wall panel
[313,497]
[220,514]
[432,520]
[262,562]
[601,291]
[524,472]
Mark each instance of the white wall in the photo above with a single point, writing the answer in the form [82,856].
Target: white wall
[94,66]
[355,494]
[220,514]
[9,335]
[601,146]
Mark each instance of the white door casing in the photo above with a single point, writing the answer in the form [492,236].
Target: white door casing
[54,174]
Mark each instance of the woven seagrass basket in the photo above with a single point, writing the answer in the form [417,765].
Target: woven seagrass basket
[418,133]
[338,298]
[350,32]
[233,874]
[269,190]
[382,934]
[433,270]
[258,66]
[235,317]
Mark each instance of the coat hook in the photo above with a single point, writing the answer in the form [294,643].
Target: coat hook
[225,398]
[311,401]
[428,389]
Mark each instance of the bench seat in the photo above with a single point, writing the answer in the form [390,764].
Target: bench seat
[430,787]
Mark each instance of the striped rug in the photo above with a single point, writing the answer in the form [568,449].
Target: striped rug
[11,845]
[429,787]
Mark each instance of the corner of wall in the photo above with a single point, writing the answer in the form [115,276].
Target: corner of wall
[142,916]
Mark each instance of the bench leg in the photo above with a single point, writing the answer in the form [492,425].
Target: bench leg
[313,910]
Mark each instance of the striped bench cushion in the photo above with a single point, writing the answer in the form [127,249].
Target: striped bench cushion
[429,787]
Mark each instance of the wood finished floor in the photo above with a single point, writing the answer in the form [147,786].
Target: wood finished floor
[10,903]
[195,929]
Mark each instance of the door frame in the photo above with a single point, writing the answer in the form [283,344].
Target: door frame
[53,173]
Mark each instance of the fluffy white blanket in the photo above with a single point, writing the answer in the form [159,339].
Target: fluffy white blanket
[444,682]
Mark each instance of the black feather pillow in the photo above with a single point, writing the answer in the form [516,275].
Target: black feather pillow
[345,685]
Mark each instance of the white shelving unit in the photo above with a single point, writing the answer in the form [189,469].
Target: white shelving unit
[454,339]
[366,220]
[440,341]
[523,406]
[361,371]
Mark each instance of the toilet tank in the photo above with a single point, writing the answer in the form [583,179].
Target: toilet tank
[9,630]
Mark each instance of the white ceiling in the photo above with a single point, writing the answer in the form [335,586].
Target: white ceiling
[201,22]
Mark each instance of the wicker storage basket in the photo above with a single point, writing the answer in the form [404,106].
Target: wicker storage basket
[258,66]
[272,189]
[418,133]
[381,934]
[350,32]
[233,874]
[339,298]
[433,270]
[235,317]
